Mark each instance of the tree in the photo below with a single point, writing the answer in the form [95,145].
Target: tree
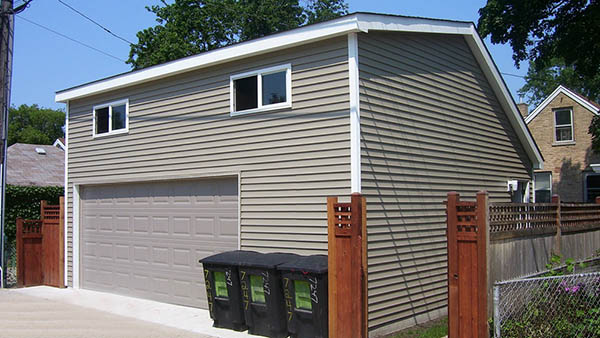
[34,125]
[543,31]
[539,84]
[188,27]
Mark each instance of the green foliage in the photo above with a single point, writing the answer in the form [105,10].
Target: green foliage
[555,269]
[543,31]
[594,130]
[559,309]
[323,10]
[539,84]
[34,125]
[434,329]
[188,27]
[24,202]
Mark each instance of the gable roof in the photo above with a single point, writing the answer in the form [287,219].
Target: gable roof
[60,142]
[352,23]
[35,165]
[580,99]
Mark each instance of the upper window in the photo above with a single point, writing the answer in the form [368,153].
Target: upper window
[563,125]
[260,90]
[111,118]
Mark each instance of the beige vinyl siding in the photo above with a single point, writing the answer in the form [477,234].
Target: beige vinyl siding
[289,160]
[430,124]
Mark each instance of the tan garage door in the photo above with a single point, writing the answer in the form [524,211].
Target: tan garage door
[144,239]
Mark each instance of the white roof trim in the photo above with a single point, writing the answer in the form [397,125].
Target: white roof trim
[504,97]
[342,26]
[360,22]
[570,94]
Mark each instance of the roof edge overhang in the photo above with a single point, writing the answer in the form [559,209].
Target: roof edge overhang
[570,94]
[505,99]
[358,22]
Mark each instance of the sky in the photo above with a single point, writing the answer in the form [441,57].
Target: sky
[45,61]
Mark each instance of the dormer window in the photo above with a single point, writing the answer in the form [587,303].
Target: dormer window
[563,125]
[111,118]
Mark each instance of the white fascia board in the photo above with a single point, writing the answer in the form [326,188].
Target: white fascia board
[66,200]
[242,50]
[360,22]
[392,23]
[570,94]
[353,76]
[506,101]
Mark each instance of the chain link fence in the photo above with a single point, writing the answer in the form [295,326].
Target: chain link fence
[560,306]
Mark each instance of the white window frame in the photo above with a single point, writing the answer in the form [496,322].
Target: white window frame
[259,73]
[110,131]
[563,125]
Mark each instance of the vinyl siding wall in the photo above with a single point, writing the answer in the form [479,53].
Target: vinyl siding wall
[430,124]
[288,160]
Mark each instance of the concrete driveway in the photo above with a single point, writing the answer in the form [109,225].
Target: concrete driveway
[68,313]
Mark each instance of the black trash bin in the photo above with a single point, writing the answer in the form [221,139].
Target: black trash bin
[262,296]
[304,283]
[223,288]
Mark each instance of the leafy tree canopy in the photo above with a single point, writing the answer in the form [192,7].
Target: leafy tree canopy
[544,30]
[541,83]
[188,27]
[34,125]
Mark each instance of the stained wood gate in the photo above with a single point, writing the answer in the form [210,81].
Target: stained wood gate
[40,248]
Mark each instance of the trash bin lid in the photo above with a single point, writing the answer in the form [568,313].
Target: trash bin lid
[267,261]
[313,264]
[228,257]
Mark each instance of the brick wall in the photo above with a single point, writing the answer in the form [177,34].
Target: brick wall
[567,162]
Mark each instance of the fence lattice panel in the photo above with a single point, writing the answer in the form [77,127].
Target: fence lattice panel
[519,216]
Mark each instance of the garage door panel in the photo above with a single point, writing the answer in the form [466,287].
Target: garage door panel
[145,240]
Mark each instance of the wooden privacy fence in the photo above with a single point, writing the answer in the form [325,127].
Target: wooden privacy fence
[472,225]
[347,261]
[40,248]
[509,220]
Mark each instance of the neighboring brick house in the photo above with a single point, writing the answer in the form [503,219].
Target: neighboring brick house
[559,126]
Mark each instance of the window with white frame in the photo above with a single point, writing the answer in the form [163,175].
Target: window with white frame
[264,89]
[543,187]
[111,118]
[563,125]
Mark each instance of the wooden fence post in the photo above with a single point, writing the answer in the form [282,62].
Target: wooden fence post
[483,244]
[346,261]
[452,222]
[557,238]
[468,224]
[61,252]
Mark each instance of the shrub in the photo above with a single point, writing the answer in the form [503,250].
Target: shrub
[24,202]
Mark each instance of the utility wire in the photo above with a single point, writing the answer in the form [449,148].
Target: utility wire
[96,23]
[69,38]
[515,75]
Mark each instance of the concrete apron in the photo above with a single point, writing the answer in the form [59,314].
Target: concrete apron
[180,317]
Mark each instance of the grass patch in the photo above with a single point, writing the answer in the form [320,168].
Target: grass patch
[433,329]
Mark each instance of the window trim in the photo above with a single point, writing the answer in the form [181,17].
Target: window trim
[572,140]
[259,73]
[535,184]
[585,185]
[110,131]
